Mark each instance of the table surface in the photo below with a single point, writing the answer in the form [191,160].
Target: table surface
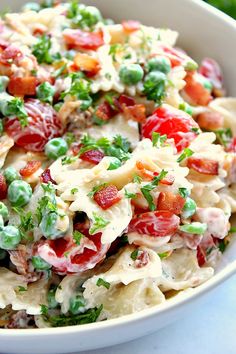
[211,329]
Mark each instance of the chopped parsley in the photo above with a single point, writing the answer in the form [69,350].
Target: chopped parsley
[224,136]
[88,316]
[67,160]
[183,192]
[158,140]
[74,190]
[96,189]
[147,188]
[77,236]
[222,245]
[163,255]
[21,289]
[232,229]
[41,50]
[69,138]
[129,195]
[80,88]
[98,223]
[27,222]
[137,179]
[134,255]
[15,107]
[114,50]
[102,282]
[45,204]
[185,154]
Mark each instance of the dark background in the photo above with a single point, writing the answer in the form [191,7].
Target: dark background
[228,6]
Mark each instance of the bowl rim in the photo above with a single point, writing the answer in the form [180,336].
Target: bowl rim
[177,301]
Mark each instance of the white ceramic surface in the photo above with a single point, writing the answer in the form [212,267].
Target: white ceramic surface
[203,32]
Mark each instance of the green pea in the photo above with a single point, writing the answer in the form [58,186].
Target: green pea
[9,237]
[155,77]
[31,6]
[11,174]
[55,148]
[114,164]
[77,304]
[1,223]
[159,64]
[131,74]
[45,92]
[48,226]
[19,193]
[189,208]
[3,254]
[52,303]
[194,228]
[4,80]
[4,211]
[39,263]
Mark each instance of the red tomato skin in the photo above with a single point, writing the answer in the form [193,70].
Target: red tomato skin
[126,100]
[170,202]
[107,196]
[46,177]
[22,86]
[130,26]
[157,223]
[72,263]
[212,71]
[3,187]
[174,123]
[43,125]
[204,166]
[78,39]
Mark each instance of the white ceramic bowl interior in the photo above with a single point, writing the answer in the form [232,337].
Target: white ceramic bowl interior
[204,31]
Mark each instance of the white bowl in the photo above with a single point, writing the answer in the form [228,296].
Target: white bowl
[204,31]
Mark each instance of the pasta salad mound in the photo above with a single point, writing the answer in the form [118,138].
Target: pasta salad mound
[117,158]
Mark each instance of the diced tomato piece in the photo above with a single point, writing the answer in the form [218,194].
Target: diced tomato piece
[3,187]
[92,156]
[79,258]
[30,168]
[126,100]
[210,120]
[22,86]
[196,92]
[38,31]
[43,125]
[131,26]
[46,177]
[174,123]
[107,196]
[170,202]
[204,166]
[201,257]
[10,55]
[155,223]
[86,63]
[78,39]
[105,111]
[136,112]
[212,71]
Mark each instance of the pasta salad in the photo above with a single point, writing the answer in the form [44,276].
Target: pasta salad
[117,157]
